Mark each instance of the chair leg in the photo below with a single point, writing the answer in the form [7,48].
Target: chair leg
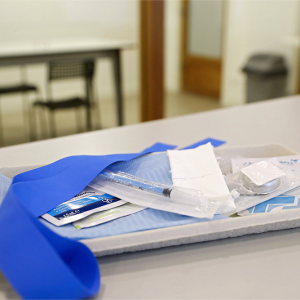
[52,124]
[36,120]
[95,107]
[26,114]
[33,124]
[26,109]
[116,57]
[89,106]
[42,120]
[31,120]
[78,111]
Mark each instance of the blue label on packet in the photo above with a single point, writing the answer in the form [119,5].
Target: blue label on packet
[75,207]
[281,202]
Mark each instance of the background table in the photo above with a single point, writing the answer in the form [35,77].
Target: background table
[69,49]
[250,267]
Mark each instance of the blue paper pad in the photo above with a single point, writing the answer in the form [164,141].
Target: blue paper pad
[140,221]
[150,167]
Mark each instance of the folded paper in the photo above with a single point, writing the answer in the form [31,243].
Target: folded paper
[198,169]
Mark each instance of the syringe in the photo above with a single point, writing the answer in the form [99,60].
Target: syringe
[175,194]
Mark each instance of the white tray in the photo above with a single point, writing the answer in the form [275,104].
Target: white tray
[199,232]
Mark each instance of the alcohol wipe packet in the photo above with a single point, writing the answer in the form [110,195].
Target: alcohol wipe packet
[259,182]
[290,162]
[87,202]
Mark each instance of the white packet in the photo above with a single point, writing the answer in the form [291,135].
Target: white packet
[262,172]
[248,196]
[155,195]
[290,162]
[108,215]
[87,202]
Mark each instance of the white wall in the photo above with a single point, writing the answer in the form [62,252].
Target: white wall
[258,26]
[39,20]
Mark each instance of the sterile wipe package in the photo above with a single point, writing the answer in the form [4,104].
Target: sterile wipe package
[198,169]
[108,215]
[250,194]
[262,172]
[291,162]
[87,202]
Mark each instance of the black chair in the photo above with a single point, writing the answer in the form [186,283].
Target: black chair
[65,70]
[22,88]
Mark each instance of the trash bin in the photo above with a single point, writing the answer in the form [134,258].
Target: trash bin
[266,77]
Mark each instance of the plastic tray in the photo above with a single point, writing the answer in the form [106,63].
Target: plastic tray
[206,231]
[198,232]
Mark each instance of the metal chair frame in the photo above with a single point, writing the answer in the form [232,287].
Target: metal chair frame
[58,70]
[24,89]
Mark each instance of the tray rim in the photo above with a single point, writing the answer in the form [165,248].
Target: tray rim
[191,233]
[185,234]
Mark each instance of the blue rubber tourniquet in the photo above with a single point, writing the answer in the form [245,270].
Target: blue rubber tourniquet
[39,263]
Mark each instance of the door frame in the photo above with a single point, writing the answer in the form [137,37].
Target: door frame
[152,59]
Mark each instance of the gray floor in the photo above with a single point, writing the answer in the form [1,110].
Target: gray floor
[176,104]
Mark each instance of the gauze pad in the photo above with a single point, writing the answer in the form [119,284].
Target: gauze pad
[198,169]
[262,172]
[291,162]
